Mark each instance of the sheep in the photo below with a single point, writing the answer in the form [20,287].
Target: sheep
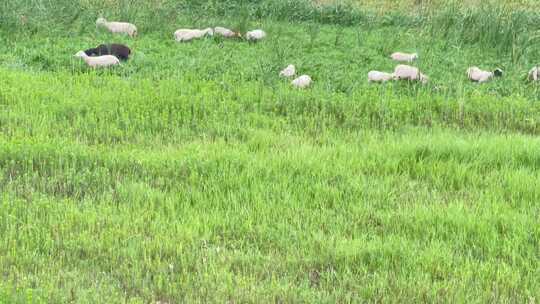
[121,51]
[376,76]
[225,32]
[289,71]
[255,35]
[407,72]
[302,82]
[118,27]
[534,74]
[184,35]
[477,75]
[404,57]
[98,62]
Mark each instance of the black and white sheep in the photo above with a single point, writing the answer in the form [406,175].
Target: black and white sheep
[477,75]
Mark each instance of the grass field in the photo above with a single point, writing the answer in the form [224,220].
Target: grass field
[194,174]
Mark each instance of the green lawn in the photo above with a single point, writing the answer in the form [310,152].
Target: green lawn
[193,173]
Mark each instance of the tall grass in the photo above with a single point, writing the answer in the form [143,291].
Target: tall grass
[503,28]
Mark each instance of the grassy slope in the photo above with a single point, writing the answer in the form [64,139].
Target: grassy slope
[193,173]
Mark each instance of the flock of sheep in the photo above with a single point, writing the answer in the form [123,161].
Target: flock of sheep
[109,55]
[410,73]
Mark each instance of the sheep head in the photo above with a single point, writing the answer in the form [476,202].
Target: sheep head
[498,72]
[80,54]
[100,21]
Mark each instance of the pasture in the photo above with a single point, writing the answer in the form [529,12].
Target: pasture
[193,173]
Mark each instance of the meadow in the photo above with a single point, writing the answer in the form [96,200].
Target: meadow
[194,174]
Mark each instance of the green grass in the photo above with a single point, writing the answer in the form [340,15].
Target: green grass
[193,173]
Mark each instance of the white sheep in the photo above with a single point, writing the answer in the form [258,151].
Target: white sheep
[184,35]
[225,32]
[98,61]
[255,35]
[289,71]
[118,27]
[302,82]
[404,57]
[534,74]
[477,75]
[376,76]
[407,72]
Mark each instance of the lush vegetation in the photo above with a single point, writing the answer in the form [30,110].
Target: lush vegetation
[193,173]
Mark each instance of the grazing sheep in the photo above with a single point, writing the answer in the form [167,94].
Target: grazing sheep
[477,75]
[376,76]
[98,62]
[302,82]
[118,27]
[225,32]
[184,35]
[404,57]
[407,72]
[255,35]
[121,51]
[289,71]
